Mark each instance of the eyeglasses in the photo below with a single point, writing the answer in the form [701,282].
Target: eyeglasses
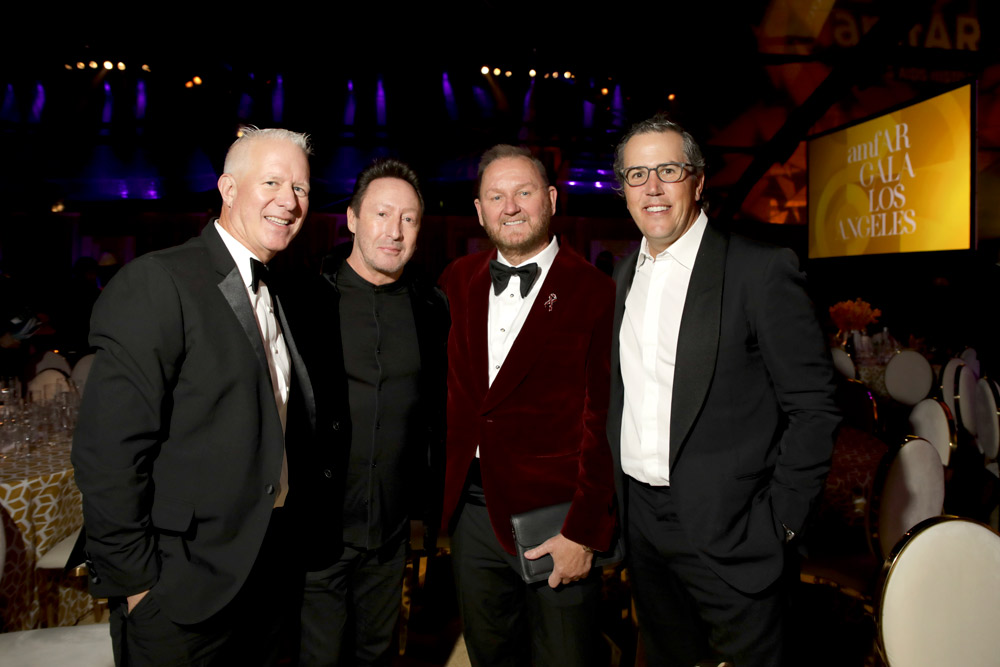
[668,172]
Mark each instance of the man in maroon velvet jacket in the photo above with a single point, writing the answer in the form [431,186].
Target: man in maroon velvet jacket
[528,385]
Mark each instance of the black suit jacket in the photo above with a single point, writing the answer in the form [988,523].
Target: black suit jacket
[178,449]
[752,413]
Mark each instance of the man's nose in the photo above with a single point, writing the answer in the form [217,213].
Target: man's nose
[286,197]
[510,206]
[394,228]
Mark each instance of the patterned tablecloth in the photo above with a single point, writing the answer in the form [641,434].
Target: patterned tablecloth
[41,506]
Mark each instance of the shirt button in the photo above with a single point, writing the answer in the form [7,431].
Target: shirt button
[269,489]
[497,367]
[328,473]
[374,465]
[502,330]
[336,426]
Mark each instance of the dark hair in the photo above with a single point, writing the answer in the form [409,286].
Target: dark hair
[658,123]
[501,151]
[386,167]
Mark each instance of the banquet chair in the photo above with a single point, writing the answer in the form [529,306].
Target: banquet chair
[908,488]
[988,429]
[843,363]
[938,596]
[47,384]
[53,360]
[80,372]
[81,646]
[931,420]
[908,377]
[971,359]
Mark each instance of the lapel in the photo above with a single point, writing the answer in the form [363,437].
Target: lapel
[302,381]
[538,326]
[623,275]
[478,314]
[698,339]
[235,292]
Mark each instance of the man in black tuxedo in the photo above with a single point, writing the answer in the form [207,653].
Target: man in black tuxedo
[197,439]
[722,415]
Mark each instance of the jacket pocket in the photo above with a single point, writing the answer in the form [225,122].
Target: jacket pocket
[171,515]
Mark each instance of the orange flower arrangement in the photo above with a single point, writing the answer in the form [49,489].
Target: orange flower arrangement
[850,315]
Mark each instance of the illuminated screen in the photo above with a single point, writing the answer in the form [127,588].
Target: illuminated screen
[900,182]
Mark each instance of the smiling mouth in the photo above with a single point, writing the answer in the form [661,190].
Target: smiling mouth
[656,209]
[511,223]
[277,221]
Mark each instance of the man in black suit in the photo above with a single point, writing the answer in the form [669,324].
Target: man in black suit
[196,427]
[385,331]
[722,415]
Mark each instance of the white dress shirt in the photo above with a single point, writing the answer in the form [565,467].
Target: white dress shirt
[508,310]
[278,361]
[648,353]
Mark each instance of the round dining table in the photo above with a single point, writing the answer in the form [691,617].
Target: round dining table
[41,505]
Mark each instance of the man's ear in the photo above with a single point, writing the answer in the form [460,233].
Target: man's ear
[352,221]
[479,212]
[227,188]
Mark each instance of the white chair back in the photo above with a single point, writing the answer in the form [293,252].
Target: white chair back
[939,592]
[931,420]
[971,359]
[911,490]
[52,360]
[908,377]
[965,398]
[843,362]
[988,418]
[947,384]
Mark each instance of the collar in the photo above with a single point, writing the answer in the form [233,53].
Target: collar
[241,254]
[684,250]
[544,258]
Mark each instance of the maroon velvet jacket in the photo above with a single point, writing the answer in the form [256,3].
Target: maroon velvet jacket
[541,427]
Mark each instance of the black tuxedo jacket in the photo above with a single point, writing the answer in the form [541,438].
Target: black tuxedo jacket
[178,449]
[752,413]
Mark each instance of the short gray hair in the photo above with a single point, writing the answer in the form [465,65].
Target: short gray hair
[251,133]
[658,123]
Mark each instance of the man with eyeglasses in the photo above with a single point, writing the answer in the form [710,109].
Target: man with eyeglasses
[722,415]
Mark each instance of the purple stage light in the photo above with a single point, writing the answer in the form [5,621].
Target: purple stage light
[278,99]
[380,104]
[39,104]
[140,100]
[106,114]
[449,97]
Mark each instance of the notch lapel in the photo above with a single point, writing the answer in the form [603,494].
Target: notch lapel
[698,339]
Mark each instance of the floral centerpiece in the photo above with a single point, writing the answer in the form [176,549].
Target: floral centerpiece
[853,315]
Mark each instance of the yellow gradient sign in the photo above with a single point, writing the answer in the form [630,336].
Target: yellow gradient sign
[897,183]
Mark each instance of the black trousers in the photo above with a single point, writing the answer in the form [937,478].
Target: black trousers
[258,627]
[686,612]
[512,624]
[349,610]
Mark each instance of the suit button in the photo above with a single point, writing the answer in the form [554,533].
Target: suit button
[95,580]
[328,473]
[336,426]
[269,489]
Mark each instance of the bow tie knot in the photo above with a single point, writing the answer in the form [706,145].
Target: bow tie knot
[259,273]
[501,275]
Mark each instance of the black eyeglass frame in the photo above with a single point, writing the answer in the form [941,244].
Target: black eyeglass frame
[682,173]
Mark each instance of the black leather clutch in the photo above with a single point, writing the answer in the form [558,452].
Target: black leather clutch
[535,526]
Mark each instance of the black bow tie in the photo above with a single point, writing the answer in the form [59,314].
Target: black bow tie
[501,274]
[259,273]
